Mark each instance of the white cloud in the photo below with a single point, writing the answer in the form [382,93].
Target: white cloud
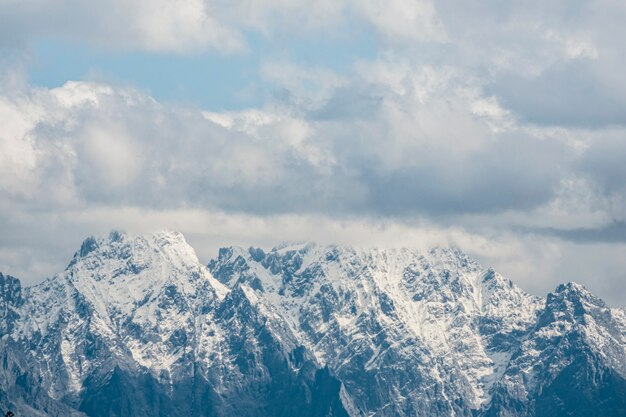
[393,139]
[498,127]
[535,262]
[414,20]
[117,160]
[192,26]
[182,26]
[158,26]
[18,155]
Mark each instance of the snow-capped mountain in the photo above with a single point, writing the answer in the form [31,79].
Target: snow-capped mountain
[137,326]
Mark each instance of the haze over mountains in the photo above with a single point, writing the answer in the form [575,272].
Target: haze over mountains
[137,326]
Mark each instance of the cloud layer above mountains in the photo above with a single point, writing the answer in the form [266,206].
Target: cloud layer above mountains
[500,128]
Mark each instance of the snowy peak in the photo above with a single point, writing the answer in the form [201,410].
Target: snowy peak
[143,277]
[572,295]
[571,305]
[135,298]
[577,341]
[391,306]
[137,251]
[439,275]
[123,270]
[385,331]
[286,260]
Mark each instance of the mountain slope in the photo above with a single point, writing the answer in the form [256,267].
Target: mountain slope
[429,333]
[572,362]
[137,326]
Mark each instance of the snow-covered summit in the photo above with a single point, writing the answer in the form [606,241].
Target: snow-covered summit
[121,271]
[361,331]
[129,296]
[438,301]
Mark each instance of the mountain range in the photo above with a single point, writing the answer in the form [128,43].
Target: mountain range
[137,326]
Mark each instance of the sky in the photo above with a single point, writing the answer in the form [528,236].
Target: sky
[496,127]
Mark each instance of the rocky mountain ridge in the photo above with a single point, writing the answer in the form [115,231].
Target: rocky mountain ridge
[137,326]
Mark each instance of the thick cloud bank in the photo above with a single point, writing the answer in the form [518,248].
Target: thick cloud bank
[498,128]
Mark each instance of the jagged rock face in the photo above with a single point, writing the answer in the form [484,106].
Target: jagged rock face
[10,302]
[407,333]
[20,376]
[572,361]
[137,326]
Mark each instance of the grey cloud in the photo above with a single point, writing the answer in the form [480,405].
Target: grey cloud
[350,103]
[398,140]
[569,94]
[159,26]
[614,232]
[598,266]
[125,149]
[166,26]
[552,63]
[515,173]
[604,161]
